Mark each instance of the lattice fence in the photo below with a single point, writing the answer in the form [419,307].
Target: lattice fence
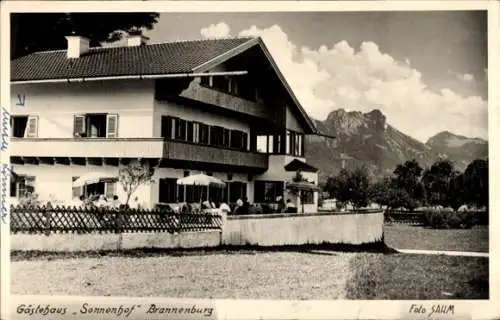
[86,220]
[410,218]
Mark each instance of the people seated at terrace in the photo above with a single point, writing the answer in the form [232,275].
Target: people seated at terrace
[101,201]
[224,207]
[206,205]
[246,206]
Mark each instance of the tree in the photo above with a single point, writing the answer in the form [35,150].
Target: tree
[476,183]
[32,32]
[437,181]
[456,191]
[133,175]
[408,178]
[350,187]
[379,191]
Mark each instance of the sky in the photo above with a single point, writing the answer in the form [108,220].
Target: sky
[426,71]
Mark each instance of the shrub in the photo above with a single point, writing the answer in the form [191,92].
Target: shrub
[451,219]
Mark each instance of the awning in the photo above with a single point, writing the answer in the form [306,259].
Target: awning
[201,180]
[94,177]
[296,165]
[302,186]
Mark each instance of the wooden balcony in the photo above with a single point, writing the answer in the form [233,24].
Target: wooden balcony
[181,151]
[126,148]
[226,101]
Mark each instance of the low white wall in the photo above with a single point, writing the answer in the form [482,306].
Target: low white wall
[69,242]
[297,229]
[261,230]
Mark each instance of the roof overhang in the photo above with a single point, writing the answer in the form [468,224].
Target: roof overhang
[136,77]
[297,165]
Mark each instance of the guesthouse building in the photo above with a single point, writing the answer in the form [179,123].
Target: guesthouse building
[219,107]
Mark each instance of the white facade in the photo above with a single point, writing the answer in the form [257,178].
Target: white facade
[138,115]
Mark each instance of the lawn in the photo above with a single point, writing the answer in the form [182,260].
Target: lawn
[290,275]
[420,238]
[418,277]
[251,275]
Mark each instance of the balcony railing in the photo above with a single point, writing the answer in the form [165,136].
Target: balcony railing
[134,148]
[178,150]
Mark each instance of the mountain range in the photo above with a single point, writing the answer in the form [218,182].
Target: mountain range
[367,139]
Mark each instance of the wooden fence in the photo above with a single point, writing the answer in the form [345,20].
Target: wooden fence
[46,220]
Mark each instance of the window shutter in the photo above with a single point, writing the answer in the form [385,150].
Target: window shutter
[110,190]
[32,127]
[112,126]
[79,125]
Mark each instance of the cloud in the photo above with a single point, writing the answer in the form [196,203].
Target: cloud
[340,76]
[220,30]
[465,77]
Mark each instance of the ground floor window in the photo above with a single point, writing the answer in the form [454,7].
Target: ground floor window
[268,191]
[236,190]
[21,186]
[95,190]
[168,190]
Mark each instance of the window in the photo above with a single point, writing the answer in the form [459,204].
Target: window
[221,83]
[217,136]
[288,142]
[168,190]
[270,144]
[96,126]
[193,131]
[203,133]
[262,144]
[18,126]
[24,126]
[268,191]
[195,193]
[226,138]
[236,190]
[207,81]
[298,145]
[216,194]
[21,186]
[180,129]
[294,143]
[307,197]
[166,127]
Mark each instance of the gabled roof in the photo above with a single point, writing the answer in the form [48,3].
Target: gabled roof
[181,57]
[296,165]
[153,59]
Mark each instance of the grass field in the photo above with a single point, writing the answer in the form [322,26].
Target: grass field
[308,275]
[257,275]
[418,277]
[420,238]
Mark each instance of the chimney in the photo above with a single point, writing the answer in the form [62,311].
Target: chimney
[77,46]
[136,40]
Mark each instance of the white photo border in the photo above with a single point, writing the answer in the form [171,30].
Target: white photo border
[247,309]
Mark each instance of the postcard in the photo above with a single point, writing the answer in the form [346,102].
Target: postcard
[250,160]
